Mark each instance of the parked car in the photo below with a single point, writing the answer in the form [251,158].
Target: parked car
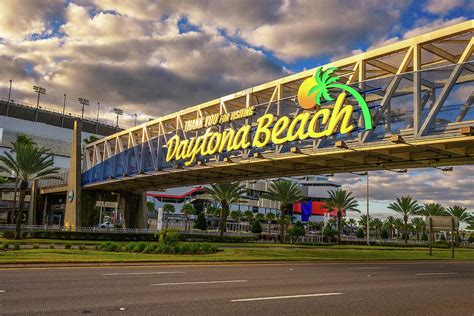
[106,225]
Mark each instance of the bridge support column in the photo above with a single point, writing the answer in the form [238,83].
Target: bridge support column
[72,215]
[133,210]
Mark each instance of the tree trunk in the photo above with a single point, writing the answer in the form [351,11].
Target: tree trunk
[223,220]
[19,213]
[269,227]
[15,208]
[282,223]
[339,227]
[405,220]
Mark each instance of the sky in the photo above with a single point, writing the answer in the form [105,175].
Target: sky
[152,58]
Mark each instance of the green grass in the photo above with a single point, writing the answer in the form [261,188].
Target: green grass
[234,254]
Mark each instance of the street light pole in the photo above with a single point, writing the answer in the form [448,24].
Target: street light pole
[40,91]
[97,123]
[64,110]
[118,112]
[83,102]
[368,221]
[9,97]
[135,119]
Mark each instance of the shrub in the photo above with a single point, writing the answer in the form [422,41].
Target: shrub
[36,246]
[103,236]
[384,234]
[169,236]
[139,247]
[185,249]
[130,246]
[110,246]
[51,246]
[196,249]
[424,237]
[81,247]
[297,230]
[471,238]
[201,222]
[360,233]
[16,246]
[216,238]
[150,248]
[67,246]
[8,234]
[256,227]
[442,238]
[5,246]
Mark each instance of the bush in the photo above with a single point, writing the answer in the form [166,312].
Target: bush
[110,246]
[256,227]
[16,246]
[150,248]
[442,238]
[81,247]
[185,249]
[103,236]
[216,238]
[384,234]
[130,246]
[67,246]
[201,222]
[36,246]
[360,233]
[5,246]
[196,249]
[51,246]
[471,238]
[169,236]
[139,247]
[9,234]
[424,237]
[297,230]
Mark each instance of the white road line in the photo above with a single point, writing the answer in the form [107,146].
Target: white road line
[436,273]
[201,282]
[2,291]
[282,297]
[142,273]
[367,268]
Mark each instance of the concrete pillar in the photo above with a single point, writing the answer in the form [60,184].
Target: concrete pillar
[72,216]
[133,210]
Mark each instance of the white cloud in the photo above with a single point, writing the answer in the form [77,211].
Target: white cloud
[443,6]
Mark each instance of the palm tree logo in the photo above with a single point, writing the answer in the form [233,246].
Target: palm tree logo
[315,91]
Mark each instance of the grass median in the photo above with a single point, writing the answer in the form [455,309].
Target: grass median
[247,253]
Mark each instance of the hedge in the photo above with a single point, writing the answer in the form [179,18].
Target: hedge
[216,238]
[66,235]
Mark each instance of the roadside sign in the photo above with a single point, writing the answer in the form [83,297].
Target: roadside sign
[441,223]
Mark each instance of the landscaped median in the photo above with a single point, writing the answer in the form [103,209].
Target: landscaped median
[229,252]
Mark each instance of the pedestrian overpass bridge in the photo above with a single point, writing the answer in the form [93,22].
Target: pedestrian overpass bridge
[405,105]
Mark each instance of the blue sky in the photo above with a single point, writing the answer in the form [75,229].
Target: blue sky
[156,57]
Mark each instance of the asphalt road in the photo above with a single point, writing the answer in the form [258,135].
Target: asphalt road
[377,288]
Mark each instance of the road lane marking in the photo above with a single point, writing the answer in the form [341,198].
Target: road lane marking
[2,291]
[436,273]
[141,273]
[282,297]
[367,268]
[201,282]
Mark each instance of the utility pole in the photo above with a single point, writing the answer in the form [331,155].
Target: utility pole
[368,221]
[135,119]
[97,123]
[64,110]
[9,97]
[83,102]
[40,91]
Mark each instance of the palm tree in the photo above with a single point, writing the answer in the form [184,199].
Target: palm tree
[405,206]
[236,216]
[270,217]
[248,215]
[432,209]
[28,163]
[352,222]
[188,209]
[363,223]
[399,225]
[377,224]
[324,81]
[286,192]
[390,224]
[259,217]
[341,200]
[167,210]
[461,214]
[225,194]
[419,225]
